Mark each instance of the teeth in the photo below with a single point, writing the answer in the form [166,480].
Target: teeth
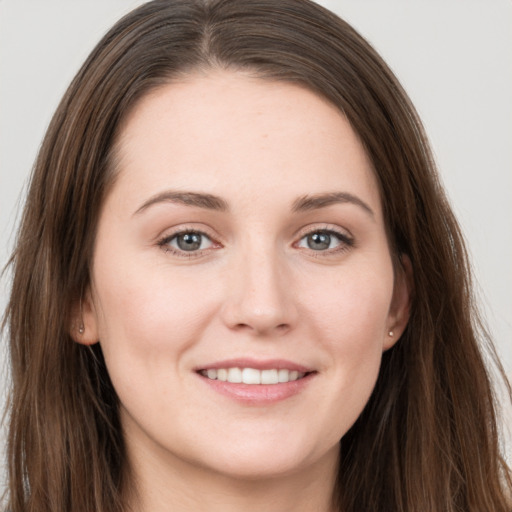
[235,375]
[269,377]
[252,376]
[283,375]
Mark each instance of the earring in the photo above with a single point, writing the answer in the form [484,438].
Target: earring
[81,327]
[391,334]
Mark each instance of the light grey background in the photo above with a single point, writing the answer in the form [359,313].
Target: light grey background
[454,57]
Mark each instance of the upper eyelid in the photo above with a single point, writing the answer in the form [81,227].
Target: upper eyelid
[166,240]
[299,233]
[171,232]
[325,227]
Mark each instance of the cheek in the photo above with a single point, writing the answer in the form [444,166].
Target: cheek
[147,315]
[147,326]
[351,317]
[352,307]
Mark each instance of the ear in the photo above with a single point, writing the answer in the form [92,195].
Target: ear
[399,310]
[84,324]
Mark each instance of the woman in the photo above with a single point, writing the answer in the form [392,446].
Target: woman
[238,284]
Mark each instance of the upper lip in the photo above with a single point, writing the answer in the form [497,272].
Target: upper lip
[257,364]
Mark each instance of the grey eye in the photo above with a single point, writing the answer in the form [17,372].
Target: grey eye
[321,240]
[190,241]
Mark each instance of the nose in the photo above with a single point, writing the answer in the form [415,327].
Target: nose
[260,297]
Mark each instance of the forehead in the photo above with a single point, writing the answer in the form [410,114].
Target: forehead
[242,133]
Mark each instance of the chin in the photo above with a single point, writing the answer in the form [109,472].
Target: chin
[268,458]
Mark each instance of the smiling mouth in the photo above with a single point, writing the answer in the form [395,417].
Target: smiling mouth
[252,375]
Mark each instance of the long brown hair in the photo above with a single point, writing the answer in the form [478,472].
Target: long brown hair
[428,438]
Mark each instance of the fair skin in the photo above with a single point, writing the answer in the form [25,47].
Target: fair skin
[244,230]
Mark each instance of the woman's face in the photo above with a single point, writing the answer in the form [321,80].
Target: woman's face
[242,240]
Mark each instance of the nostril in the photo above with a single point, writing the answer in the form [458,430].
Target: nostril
[243,326]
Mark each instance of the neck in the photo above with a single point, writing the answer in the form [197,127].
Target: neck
[159,486]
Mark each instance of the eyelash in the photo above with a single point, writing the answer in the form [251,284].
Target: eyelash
[164,242]
[346,242]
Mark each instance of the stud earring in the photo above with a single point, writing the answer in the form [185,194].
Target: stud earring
[391,334]
[81,327]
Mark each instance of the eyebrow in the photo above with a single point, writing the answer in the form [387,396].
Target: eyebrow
[212,202]
[199,200]
[315,201]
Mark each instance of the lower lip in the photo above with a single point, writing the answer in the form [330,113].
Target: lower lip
[259,394]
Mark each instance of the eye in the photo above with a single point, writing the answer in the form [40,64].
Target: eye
[324,240]
[187,241]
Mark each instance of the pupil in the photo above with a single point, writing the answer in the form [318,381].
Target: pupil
[319,241]
[189,241]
